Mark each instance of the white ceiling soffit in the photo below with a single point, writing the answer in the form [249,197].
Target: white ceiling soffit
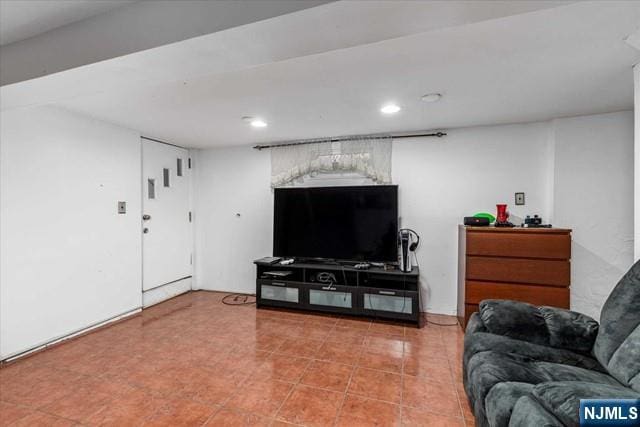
[132,28]
[334,26]
[22,19]
[535,66]
[634,39]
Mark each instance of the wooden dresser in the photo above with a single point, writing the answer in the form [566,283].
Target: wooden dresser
[523,264]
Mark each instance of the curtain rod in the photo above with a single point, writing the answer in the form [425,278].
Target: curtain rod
[438,134]
[160,142]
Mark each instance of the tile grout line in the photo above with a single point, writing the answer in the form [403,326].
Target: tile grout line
[354,367]
[453,380]
[275,418]
[404,335]
[240,384]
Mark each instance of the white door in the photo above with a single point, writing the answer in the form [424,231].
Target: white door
[166,239]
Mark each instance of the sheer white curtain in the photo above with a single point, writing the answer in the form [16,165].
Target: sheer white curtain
[370,157]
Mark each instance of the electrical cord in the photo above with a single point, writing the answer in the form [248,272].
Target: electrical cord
[426,317]
[239,299]
[404,293]
[344,277]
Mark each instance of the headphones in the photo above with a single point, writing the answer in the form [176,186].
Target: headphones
[326,278]
[415,244]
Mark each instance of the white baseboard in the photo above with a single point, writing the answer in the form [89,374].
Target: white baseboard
[163,293]
[42,346]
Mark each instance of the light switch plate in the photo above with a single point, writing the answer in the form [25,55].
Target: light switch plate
[519,199]
[122,207]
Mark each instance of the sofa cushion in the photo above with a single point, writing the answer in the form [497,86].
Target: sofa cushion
[625,362]
[487,369]
[475,324]
[547,326]
[528,412]
[561,372]
[563,398]
[570,330]
[514,319]
[502,398]
[617,346]
[482,341]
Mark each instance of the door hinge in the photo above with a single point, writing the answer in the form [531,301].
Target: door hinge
[189,162]
[190,216]
[191,259]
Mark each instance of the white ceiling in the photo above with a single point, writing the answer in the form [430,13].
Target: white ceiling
[21,19]
[327,70]
[336,26]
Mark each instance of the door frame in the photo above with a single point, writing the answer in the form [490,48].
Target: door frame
[143,194]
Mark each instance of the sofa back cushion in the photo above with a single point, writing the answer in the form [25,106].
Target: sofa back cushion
[514,319]
[547,326]
[617,346]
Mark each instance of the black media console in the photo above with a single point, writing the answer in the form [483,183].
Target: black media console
[334,288]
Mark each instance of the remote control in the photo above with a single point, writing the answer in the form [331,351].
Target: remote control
[286,261]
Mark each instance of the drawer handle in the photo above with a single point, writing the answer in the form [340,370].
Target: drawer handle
[277,284]
[386,293]
[328,288]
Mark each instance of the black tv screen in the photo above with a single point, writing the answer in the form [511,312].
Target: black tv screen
[342,223]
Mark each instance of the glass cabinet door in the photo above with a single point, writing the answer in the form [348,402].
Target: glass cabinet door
[330,298]
[280,293]
[391,301]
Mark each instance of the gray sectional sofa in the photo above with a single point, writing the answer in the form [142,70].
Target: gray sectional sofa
[530,366]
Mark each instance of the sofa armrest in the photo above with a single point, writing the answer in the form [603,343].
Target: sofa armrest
[562,398]
[550,326]
[474,325]
[569,329]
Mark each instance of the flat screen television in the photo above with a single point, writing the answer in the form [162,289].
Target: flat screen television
[341,223]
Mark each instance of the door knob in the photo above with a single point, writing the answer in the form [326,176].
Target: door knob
[146,217]
[145,230]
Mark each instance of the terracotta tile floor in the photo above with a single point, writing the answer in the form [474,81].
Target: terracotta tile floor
[194,361]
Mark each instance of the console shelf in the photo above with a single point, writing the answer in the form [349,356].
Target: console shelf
[334,288]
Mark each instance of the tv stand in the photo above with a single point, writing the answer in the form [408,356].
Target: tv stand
[334,288]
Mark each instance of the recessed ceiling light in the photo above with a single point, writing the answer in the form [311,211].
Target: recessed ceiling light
[431,97]
[390,109]
[258,123]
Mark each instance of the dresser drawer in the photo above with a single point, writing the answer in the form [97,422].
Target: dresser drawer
[536,295]
[518,270]
[519,244]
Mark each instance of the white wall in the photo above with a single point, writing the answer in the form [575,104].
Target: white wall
[469,171]
[67,259]
[440,182]
[572,171]
[231,181]
[593,195]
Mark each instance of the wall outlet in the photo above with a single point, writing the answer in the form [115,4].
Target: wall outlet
[122,207]
[519,199]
